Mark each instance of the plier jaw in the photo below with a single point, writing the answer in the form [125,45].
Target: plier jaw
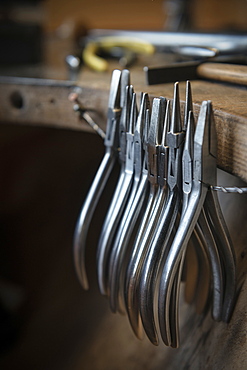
[111,140]
[139,137]
[163,150]
[125,113]
[175,139]
[205,147]
[187,157]
[152,142]
[114,111]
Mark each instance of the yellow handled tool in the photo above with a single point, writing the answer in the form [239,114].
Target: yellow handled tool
[92,60]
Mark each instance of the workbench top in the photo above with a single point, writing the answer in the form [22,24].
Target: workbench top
[44,102]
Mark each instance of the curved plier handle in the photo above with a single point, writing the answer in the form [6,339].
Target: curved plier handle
[111,153]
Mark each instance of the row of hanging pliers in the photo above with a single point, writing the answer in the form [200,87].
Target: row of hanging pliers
[155,210]
[163,203]
[169,203]
[146,263]
[201,206]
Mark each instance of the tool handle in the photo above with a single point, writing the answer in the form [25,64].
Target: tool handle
[87,213]
[232,73]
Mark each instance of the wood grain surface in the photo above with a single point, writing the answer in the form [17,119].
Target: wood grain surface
[224,72]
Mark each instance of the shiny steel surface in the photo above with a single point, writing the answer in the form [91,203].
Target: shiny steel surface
[163,216]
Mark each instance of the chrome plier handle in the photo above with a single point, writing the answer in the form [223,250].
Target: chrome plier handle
[111,151]
[108,233]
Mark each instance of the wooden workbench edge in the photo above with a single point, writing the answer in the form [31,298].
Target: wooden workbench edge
[39,102]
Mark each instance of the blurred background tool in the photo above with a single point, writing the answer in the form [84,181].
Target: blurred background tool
[73,63]
[179,42]
[179,15]
[97,53]
[125,48]
[183,71]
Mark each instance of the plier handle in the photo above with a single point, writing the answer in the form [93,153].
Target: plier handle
[111,150]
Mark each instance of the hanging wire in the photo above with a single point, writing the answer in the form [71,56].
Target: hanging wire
[229,189]
[84,115]
[73,97]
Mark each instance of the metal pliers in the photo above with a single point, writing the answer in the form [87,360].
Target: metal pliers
[126,97]
[197,240]
[199,292]
[110,228]
[203,207]
[111,150]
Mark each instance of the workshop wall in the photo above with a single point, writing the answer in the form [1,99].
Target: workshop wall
[144,14]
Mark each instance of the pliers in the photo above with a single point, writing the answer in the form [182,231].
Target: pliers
[108,231]
[111,143]
[125,101]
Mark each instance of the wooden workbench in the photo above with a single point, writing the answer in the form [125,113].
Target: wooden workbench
[42,102]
